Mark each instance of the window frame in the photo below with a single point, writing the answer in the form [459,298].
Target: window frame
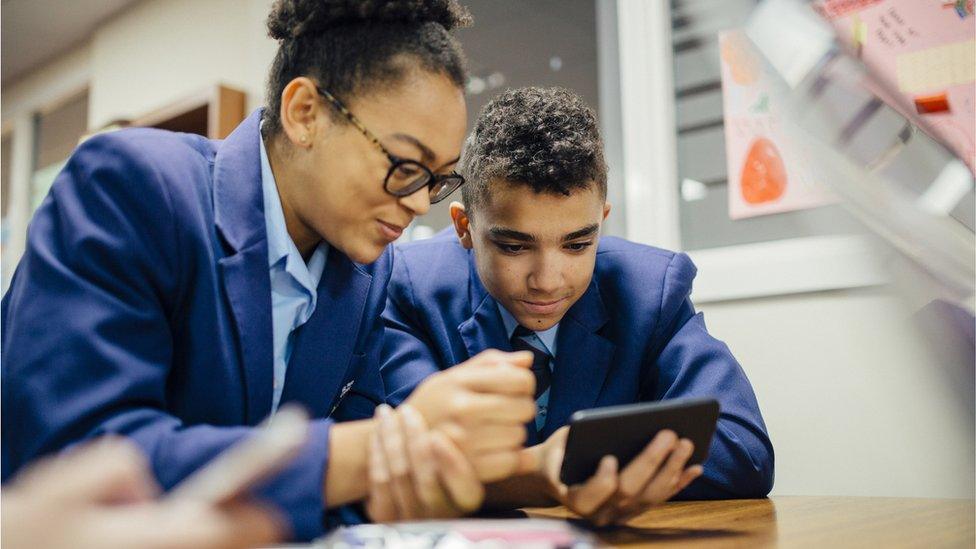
[26,99]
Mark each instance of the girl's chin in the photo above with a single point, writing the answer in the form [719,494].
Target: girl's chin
[365,252]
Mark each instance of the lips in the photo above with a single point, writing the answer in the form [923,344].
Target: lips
[543,308]
[390,231]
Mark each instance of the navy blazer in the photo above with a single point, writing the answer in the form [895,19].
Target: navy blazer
[633,336]
[142,306]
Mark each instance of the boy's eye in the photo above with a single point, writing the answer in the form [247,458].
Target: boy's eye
[510,248]
[578,246]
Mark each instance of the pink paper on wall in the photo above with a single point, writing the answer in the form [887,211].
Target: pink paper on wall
[921,51]
[767,173]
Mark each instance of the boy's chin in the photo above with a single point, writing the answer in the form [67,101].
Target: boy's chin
[538,323]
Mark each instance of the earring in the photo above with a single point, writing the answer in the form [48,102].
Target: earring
[303,139]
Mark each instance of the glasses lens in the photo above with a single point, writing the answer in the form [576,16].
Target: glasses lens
[407,178]
[444,187]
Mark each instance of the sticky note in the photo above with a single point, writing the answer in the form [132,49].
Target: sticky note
[860,31]
[928,104]
[936,68]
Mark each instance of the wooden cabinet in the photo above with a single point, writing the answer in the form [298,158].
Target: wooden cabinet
[213,112]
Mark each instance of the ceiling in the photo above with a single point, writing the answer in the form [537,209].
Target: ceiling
[33,32]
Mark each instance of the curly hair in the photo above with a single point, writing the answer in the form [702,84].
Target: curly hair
[349,46]
[547,139]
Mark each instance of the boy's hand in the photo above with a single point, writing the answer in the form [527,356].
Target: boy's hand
[609,496]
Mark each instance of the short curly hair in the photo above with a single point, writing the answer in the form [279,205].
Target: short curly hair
[352,46]
[547,139]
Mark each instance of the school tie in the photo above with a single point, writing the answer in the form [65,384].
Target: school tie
[540,360]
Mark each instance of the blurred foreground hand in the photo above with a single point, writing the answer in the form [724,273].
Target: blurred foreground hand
[102,495]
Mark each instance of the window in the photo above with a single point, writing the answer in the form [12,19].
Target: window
[57,132]
[6,149]
[6,158]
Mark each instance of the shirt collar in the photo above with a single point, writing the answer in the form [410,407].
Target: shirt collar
[274,215]
[547,337]
[280,245]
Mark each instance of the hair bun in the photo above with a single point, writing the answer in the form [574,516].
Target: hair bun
[291,19]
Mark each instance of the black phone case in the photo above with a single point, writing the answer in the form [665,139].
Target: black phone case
[623,431]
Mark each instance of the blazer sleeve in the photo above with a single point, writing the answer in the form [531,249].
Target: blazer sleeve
[87,346]
[689,362]
[408,355]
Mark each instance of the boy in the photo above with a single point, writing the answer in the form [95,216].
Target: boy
[608,321]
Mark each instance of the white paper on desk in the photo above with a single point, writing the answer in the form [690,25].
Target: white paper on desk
[462,534]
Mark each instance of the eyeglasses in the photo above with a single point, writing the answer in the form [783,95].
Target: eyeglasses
[405,176]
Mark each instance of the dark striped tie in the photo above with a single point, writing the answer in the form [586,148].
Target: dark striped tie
[540,360]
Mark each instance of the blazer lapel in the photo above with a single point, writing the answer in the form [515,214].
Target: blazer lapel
[239,217]
[324,345]
[484,329]
[582,362]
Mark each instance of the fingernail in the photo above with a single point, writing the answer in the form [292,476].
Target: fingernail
[385,414]
[412,418]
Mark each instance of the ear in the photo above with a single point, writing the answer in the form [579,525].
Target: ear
[606,210]
[302,115]
[461,224]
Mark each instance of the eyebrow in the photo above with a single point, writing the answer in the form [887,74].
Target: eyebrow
[511,234]
[588,230]
[425,152]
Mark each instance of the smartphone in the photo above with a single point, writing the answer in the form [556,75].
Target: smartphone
[623,431]
[240,467]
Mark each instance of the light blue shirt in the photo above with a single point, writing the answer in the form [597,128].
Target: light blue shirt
[544,341]
[293,283]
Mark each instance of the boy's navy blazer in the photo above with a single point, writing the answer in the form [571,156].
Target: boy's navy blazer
[142,306]
[633,336]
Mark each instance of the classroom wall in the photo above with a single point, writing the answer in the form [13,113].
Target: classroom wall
[171,48]
[61,77]
[174,48]
[853,404]
[854,401]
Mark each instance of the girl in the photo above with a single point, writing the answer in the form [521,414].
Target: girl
[177,290]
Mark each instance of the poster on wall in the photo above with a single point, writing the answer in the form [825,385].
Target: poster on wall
[924,54]
[767,173]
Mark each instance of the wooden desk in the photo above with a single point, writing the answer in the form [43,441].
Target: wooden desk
[831,522]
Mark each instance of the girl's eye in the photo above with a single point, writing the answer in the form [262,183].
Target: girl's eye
[579,246]
[404,172]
